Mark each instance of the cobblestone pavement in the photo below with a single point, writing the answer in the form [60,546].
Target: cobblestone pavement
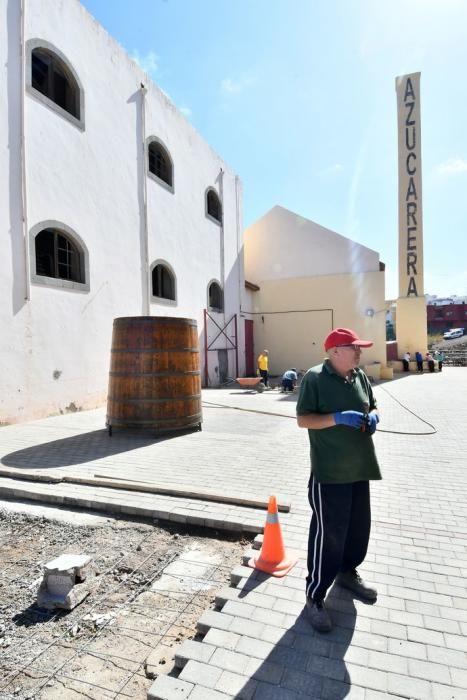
[257,643]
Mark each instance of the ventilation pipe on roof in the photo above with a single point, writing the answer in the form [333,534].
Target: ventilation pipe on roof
[24,199]
[222,251]
[145,243]
[239,260]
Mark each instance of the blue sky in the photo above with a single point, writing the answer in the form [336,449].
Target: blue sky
[298,97]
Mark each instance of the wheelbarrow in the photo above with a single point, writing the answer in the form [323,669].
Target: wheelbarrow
[251,383]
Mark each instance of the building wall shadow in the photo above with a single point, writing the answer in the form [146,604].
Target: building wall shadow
[82,448]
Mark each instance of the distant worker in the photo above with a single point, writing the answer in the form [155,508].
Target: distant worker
[419,361]
[289,379]
[439,358]
[430,362]
[263,365]
[405,361]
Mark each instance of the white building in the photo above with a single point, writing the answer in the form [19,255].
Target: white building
[112,205]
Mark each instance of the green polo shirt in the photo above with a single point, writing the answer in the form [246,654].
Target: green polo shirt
[339,455]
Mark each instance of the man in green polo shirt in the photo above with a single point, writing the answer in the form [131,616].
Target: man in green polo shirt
[337,406]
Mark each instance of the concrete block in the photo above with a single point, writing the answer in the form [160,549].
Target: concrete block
[62,584]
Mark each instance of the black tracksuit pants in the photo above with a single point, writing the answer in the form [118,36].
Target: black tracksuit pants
[339,532]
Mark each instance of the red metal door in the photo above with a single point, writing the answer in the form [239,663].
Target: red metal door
[249,349]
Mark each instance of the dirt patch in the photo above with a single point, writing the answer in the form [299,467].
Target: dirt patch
[150,585]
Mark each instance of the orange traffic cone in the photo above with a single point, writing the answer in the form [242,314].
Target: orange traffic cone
[272,557]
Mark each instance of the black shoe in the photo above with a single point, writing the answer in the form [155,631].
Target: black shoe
[354,582]
[318,616]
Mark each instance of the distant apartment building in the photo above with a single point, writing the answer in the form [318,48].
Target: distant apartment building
[445,314]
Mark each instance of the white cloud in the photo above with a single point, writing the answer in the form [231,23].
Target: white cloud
[229,86]
[148,62]
[452,166]
[186,111]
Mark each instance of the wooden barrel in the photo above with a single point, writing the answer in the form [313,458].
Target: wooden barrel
[154,380]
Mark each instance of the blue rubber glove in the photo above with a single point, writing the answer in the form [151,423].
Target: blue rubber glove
[354,419]
[373,421]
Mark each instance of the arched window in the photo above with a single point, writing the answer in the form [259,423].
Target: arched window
[215,297]
[58,256]
[54,79]
[163,282]
[213,205]
[160,162]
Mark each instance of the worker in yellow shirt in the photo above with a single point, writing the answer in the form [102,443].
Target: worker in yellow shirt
[263,367]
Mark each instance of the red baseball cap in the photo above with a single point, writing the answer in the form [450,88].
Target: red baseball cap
[344,336]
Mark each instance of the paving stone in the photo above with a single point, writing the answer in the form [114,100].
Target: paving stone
[277,635]
[290,658]
[408,687]
[254,647]
[367,677]
[408,649]
[230,660]
[236,609]
[370,641]
[448,657]
[429,671]
[265,691]
[447,692]
[459,677]
[388,629]
[387,662]
[265,671]
[202,693]
[454,641]
[316,645]
[211,618]
[440,624]
[327,667]
[193,650]
[221,638]
[168,688]
[424,636]
[333,690]
[406,618]
[194,671]
[269,617]
[235,685]
[249,627]
[306,684]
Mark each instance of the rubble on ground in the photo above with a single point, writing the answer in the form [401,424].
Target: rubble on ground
[126,629]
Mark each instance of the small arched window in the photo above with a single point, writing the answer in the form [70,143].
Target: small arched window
[58,256]
[160,163]
[52,78]
[163,282]
[213,205]
[215,297]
